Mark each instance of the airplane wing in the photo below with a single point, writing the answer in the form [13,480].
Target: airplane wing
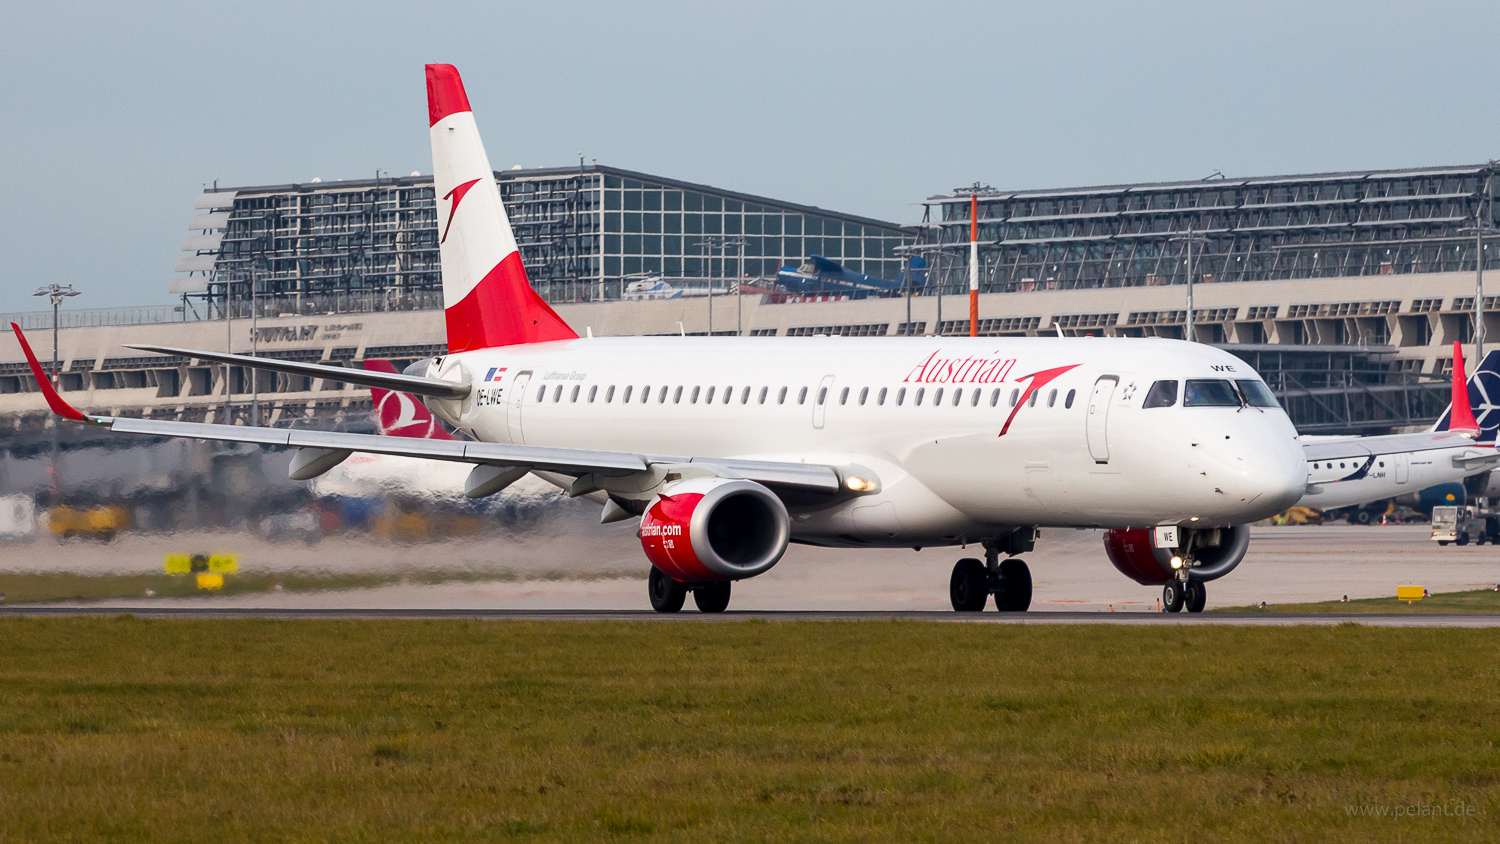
[363,377]
[801,477]
[1365,447]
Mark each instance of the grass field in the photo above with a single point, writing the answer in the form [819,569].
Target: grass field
[1477,601]
[130,729]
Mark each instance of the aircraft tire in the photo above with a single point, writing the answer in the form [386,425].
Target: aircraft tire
[712,597]
[1195,595]
[667,594]
[1013,593]
[1172,596]
[969,587]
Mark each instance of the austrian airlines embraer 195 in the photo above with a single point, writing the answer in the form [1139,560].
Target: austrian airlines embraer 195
[729,448]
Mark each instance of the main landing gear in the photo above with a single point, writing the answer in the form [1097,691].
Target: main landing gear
[973,582]
[1190,594]
[669,594]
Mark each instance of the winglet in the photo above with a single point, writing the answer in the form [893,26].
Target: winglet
[54,401]
[1461,417]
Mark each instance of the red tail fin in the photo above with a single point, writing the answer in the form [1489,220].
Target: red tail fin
[1460,414]
[401,415]
[487,298]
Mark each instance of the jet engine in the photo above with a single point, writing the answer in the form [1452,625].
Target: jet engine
[705,529]
[1216,551]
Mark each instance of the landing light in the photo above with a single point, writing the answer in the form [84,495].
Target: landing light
[1176,562]
[856,484]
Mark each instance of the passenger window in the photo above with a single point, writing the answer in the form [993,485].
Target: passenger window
[677,396]
[781,396]
[900,396]
[822,395]
[1256,393]
[609,395]
[864,393]
[880,399]
[593,391]
[958,397]
[745,396]
[995,398]
[844,396]
[1014,395]
[1210,392]
[1161,394]
[1068,402]
[729,394]
[626,398]
[557,394]
[937,397]
[661,395]
[917,402]
[763,391]
[573,396]
[541,392]
[1032,401]
[708,399]
[1052,398]
[975,401]
[802,396]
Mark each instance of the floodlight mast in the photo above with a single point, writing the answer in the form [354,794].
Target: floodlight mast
[1483,226]
[56,293]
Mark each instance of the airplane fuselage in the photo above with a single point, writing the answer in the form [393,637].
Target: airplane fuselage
[966,436]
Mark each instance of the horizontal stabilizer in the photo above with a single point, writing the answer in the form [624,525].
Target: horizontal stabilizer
[363,377]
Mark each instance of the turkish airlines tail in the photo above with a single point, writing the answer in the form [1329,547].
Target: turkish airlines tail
[398,414]
[486,297]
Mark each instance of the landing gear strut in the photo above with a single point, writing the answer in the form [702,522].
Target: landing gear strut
[669,594]
[1009,580]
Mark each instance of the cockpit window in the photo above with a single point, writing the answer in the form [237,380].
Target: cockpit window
[1210,392]
[1162,394]
[1257,394]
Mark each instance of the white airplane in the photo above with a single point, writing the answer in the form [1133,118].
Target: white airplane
[727,448]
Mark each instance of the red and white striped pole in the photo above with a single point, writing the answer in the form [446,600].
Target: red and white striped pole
[974,265]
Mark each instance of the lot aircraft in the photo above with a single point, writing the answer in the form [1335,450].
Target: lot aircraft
[728,448]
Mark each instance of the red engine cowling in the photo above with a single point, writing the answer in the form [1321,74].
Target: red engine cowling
[715,529]
[1132,553]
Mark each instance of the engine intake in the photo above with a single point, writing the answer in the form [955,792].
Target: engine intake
[1132,553]
[715,529]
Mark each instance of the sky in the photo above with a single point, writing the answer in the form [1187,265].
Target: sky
[113,116]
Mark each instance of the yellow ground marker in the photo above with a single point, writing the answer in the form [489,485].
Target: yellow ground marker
[179,564]
[1409,593]
[224,563]
[210,581]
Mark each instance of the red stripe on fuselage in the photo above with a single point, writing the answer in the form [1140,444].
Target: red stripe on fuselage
[1038,381]
[503,310]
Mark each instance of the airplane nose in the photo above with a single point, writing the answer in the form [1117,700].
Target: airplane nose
[1272,478]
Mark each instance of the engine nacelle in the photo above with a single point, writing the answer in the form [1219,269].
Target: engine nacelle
[715,529]
[1131,552]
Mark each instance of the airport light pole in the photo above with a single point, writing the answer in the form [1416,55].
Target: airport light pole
[1190,238]
[56,293]
[722,244]
[1481,228]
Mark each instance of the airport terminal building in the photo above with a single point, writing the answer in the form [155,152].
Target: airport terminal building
[1345,290]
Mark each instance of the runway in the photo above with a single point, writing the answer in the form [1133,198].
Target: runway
[1266,619]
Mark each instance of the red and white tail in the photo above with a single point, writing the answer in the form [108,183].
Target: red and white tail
[486,296]
[400,414]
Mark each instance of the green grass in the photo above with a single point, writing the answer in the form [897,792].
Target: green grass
[62,586]
[1440,603]
[128,729]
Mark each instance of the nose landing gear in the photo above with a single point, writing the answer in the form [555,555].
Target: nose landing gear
[1190,594]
